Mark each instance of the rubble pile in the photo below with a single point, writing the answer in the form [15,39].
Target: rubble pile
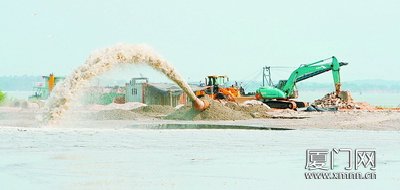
[343,101]
[330,100]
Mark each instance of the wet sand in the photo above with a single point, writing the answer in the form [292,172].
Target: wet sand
[116,154]
[388,120]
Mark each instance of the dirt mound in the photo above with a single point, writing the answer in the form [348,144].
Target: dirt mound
[255,110]
[154,110]
[116,114]
[119,100]
[219,111]
[216,111]
[343,101]
[113,106]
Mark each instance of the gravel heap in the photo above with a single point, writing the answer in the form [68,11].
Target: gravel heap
[344,101]
[330,100]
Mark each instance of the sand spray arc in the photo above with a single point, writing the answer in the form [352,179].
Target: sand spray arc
[104,60]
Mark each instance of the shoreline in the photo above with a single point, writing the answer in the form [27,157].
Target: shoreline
[377,120]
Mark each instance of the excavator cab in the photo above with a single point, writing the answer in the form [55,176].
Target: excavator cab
[293,95]
[281,84]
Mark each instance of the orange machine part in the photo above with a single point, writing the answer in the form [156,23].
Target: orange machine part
[51,82]
[201,105]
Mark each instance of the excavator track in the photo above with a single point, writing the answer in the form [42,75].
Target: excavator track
[281,104]
[285,104]
[301,104]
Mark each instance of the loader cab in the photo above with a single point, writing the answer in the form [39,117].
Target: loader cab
[215,81]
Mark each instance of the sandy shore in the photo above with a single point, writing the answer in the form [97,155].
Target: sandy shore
[118,154]
[357,119]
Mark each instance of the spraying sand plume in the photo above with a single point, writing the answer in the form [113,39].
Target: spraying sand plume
[102,61]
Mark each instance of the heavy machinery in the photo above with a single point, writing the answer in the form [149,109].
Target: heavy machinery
[43,89]
[281,95]
[216,89]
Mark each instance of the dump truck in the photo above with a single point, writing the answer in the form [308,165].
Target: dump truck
[282,95]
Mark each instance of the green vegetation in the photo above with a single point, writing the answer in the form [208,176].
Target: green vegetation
[2,97]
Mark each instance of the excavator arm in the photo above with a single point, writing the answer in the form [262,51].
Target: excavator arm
[310,70]
[281,95]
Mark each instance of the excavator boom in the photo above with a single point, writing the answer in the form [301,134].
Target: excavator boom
[310,70]
[286,89]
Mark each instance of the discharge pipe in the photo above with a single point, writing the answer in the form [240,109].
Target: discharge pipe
[200,105]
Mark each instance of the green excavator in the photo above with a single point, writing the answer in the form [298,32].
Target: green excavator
[282,95]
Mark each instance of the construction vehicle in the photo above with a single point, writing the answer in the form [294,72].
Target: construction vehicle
[217,89]
[43,89]
[282,95]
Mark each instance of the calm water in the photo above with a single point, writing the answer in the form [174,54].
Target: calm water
[54,158]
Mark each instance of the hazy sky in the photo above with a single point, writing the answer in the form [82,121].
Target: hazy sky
[205,37]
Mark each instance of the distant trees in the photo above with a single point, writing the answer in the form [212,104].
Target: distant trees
[17,83]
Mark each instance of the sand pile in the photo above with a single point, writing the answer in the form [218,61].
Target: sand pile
[116,114]
[154,110]
[112,106]
[256,110]
[344,101]
[254,102]
[214,112]
[219,111]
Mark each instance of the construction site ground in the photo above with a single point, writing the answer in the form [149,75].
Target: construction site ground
[382,119]
[115,154]
[103,152]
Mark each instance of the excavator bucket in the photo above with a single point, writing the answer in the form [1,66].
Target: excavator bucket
[345,96]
